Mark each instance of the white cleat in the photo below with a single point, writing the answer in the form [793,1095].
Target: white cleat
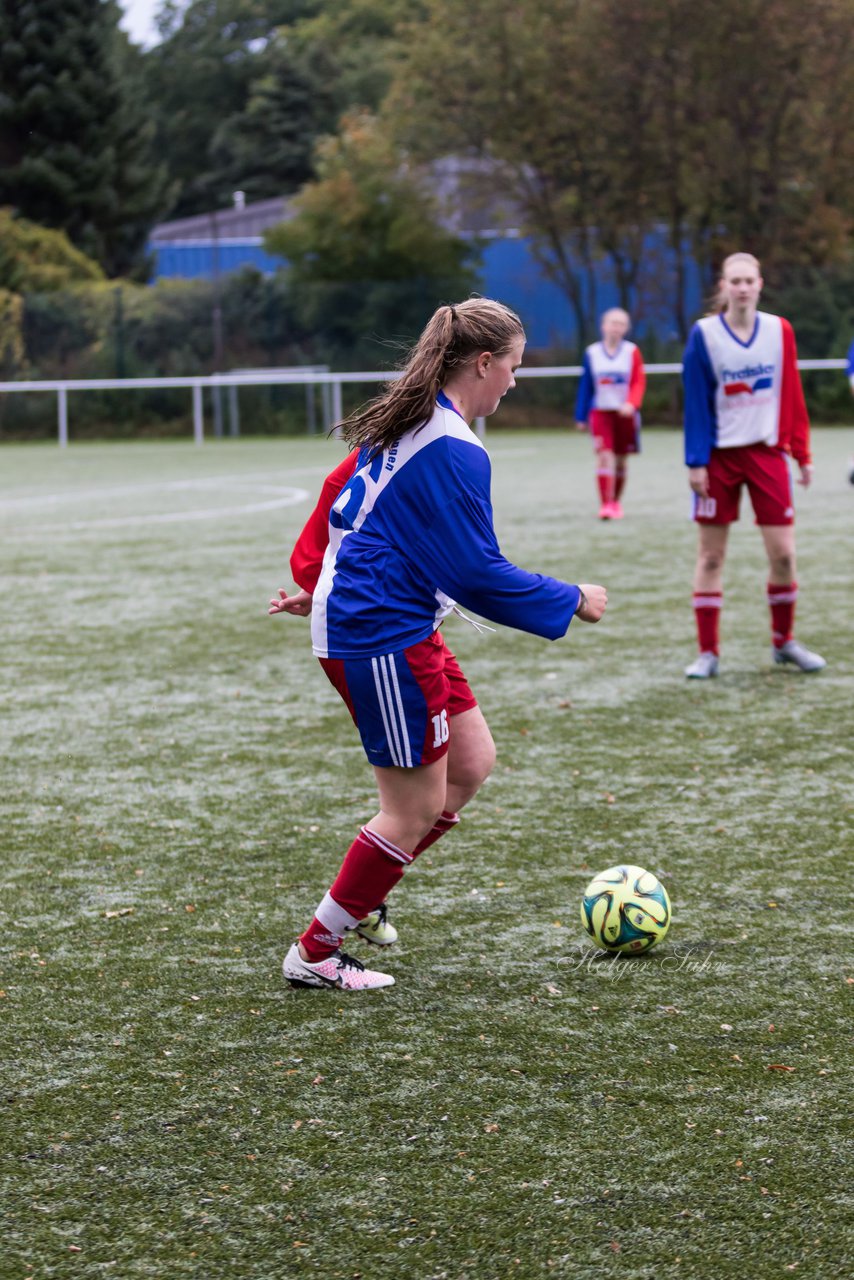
[338,971]
[799,655]
[703,667]
[376,928]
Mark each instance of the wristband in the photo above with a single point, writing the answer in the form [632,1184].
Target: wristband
[582,602]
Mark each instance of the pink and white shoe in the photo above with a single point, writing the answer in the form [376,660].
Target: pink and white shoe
[606,511]
[338,971]
[616,511]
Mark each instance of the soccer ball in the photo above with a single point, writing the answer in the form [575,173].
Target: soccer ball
[625,910]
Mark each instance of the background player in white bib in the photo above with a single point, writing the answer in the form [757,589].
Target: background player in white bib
[609,399]
[744,414]
[403,529]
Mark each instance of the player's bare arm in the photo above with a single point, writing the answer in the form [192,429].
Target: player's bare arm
[805,478]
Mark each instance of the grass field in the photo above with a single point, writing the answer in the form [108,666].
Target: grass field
[179,783]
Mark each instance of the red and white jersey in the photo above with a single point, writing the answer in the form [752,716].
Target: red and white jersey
[742,393]
[608,381]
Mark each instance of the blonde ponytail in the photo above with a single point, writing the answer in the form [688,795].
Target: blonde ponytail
[452,336]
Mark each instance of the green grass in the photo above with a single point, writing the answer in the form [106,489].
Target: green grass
[179,783]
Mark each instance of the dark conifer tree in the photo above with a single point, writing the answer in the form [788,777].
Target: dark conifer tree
[75,146]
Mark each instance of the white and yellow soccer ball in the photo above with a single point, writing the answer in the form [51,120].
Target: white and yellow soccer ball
[625,910]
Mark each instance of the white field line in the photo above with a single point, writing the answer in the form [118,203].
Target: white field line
[286,496]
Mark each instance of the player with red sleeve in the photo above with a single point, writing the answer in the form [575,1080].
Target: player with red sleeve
[408,531]
[744,416]
[610,395]
[307,555]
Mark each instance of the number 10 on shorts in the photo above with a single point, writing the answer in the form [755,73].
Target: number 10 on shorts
[440,729]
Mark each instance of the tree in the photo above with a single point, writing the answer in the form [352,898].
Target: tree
[74,149]
[730,124]
[360,42]
[367,254]
[266,149]
[217,60]
[35,259]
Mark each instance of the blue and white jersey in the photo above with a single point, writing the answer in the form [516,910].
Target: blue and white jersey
[608,379]
[736,392]
[412,532]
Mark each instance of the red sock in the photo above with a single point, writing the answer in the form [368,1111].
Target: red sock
[619,484]
[781,601]
[440,827]
[605,480]
[371,868]
[707,611]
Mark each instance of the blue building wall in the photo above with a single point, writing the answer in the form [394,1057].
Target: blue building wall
[509,272]
[192,260]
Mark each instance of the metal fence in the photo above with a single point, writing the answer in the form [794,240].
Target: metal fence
[312,377]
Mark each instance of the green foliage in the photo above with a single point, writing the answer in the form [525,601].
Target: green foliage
[38,260]
[74,139]
[366,251]
[210,83]
[729,124]
[266,148]
[11,334]
[361,42]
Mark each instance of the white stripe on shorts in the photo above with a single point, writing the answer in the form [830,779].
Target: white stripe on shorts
[393,744]
[401,711]
[391,706]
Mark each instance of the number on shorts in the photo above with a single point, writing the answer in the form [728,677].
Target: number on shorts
[707,508]
[440,729]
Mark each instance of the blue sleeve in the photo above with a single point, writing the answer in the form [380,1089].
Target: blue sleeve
[460,552]
[700,387]
[850,370]
[586,391]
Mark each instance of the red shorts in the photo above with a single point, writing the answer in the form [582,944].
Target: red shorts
[402,702]
[615,432]
[765,471]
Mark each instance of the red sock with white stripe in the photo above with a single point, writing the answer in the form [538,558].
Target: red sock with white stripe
[371,868]
[707,612]
[781,601]
[605,479]
[443,824]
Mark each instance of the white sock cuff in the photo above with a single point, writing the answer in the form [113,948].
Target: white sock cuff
[335,918]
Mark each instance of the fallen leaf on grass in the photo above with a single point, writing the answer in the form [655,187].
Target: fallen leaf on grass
[779,1066]
[123,911]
